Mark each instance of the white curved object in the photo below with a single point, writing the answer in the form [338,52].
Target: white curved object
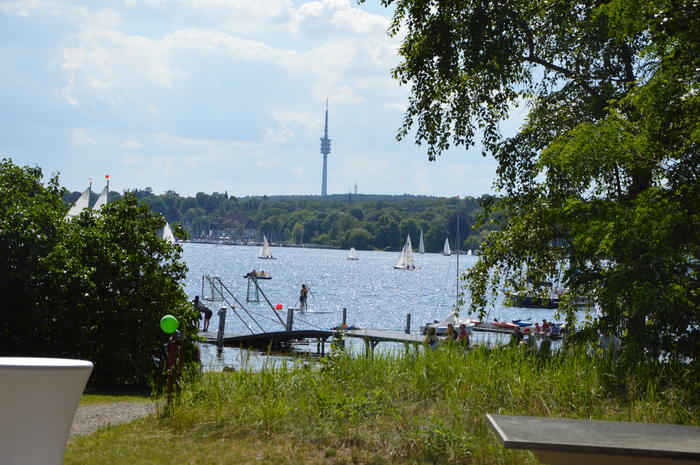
[81,204]
[405,261]
[168,234]
[102,199]
[352,254]
[265,250]
[446,249]
[38,400]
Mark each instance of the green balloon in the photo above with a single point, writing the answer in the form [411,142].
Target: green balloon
[168,324]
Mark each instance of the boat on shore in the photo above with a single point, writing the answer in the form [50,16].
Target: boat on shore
[456,321]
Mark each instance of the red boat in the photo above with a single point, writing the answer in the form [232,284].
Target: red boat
[504,325]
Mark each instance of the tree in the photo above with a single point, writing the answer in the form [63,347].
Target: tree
[297,235]
[359,238]
[603,178]
[93,287]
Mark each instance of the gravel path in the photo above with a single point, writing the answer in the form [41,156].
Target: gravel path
[89,418]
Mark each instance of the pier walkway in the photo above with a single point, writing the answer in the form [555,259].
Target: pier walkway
[276,339]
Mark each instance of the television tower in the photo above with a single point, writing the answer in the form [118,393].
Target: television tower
[325,150]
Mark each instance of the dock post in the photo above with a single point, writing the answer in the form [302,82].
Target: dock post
[222,325]
[408,323]
[290,319]
[344,324]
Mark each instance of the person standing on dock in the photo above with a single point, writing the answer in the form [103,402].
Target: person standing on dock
[207,318]
[303,296]
[197,304]
[201,308]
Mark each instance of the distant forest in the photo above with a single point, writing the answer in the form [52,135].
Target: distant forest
[363,221]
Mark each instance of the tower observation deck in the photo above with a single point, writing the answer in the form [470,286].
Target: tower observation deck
[325,150]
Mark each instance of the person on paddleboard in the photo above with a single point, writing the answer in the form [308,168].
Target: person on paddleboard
[303,296]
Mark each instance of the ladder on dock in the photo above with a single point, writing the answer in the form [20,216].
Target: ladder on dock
[214,290]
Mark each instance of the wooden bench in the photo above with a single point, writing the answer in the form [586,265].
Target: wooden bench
[559,441]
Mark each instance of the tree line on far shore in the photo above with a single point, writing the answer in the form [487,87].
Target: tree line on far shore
[362,221]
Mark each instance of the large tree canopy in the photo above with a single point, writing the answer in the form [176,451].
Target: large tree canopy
[604,174]
[92,287]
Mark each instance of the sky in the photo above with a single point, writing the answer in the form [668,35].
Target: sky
[215,96]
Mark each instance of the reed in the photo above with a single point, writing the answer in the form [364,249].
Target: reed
[415,407]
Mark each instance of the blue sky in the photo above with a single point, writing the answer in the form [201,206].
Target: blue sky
[215,95]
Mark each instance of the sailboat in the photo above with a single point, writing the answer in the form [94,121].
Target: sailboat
[265,250]
[421,244]
[453,318]
[352,254]
[103,198]
[405,261]
[81,204]
[168,234]
[446,249]
[469,252]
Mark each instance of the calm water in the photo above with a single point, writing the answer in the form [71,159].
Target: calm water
[375,294]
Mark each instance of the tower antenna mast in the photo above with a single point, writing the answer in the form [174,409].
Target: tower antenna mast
[325,150]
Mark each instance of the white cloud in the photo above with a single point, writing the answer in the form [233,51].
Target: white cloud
[121,69]
[288,121]
[280,136]
[132,144]
[239,16]
[304,120]
[111,65]
[324,17]
[80,138]
[80,16]
[340,93]
[396,105]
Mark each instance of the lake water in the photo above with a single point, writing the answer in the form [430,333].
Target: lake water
[375,294]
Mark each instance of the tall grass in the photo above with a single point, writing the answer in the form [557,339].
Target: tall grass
[420,407]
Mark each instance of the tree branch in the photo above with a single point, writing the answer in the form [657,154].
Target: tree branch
[566,72]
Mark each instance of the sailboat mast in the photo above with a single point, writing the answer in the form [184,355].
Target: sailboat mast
[457,247]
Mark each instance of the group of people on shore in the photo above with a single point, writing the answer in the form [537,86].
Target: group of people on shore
[547,329]
[460,336]
[528,335]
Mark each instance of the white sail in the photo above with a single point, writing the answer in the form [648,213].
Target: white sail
[421,244]
[405,261]
[102,199]
[352,254]
[265,250]
[82,203]
[168,234]
[446,250]
[469,252]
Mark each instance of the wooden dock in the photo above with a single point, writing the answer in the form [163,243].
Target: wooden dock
[277,339]
[372,337]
